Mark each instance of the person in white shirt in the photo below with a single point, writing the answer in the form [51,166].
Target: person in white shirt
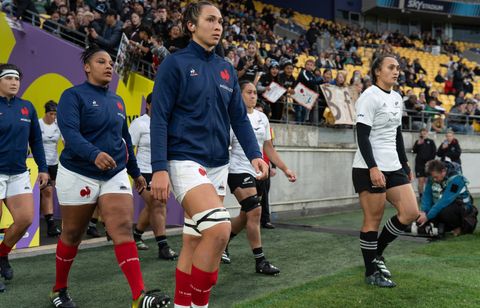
[242,182]
[154,213]
[50,138]
[380,168]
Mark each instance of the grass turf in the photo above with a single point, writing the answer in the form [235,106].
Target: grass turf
[318,270]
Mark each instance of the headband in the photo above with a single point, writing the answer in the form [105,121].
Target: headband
[9,73]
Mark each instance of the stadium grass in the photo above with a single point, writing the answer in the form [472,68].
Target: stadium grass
[318,270]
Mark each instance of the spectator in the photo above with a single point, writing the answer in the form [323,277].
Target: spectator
[448,87]
[447,201]
[286,80]
[176,40]
[467,85]
[251,64]
[161,24]
[132,26]
[307,78]
[425,150]
[111,34]
[418,67]
[456,117]
[52,25]
[159,52]
[439,78]
[271,76]
[450,149]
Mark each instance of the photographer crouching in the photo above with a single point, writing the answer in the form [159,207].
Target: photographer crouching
[446,201]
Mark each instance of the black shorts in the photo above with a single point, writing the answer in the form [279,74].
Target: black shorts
[420,171]
[241,180]
[362,181]
[52,172]
[148,178]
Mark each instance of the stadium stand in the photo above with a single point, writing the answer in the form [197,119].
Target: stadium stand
[282,35]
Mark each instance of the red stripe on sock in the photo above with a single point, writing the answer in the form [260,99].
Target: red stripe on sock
[64,260]
[202,283]
[127,258]
[4,250]
[183,288]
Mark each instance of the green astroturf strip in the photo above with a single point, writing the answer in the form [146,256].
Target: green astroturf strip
[318,270]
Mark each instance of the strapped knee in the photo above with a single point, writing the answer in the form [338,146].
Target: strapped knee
[210,218]
[250,203]
[190,228]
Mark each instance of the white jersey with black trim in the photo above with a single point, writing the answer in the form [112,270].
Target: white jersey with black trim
[382,111]
[50,137]
[140,132]
[239,162]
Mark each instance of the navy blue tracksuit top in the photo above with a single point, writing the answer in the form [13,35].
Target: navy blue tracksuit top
[196,98]
[92,120]
[18,128]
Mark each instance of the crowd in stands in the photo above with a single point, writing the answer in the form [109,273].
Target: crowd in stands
[328,51]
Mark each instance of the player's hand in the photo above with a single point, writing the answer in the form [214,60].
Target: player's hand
[43,178]
[273,172]
[410,176]
[160,186]
[377,177]
[105,162]
[291,176]
[261,168]
[140,183]
[422,219]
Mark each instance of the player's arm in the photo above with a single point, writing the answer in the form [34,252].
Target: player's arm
[402,156]
[164,95]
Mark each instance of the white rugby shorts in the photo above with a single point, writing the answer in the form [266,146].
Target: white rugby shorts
[77,189]
[186,175]
[12,185]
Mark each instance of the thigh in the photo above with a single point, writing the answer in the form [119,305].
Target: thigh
[116,209]
[373,205]
[20,206]
[201,198]
[403,198]
[76,217]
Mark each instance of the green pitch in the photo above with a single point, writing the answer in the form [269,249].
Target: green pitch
[318,270]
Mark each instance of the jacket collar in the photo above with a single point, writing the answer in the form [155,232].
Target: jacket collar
[201,52]
[98,88]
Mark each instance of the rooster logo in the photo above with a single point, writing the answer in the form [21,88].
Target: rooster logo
[225,75]
[24,111]
[120,106]
[202,171]
[85,192]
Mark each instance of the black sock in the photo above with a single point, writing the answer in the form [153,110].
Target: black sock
[161,241]
[137,234]
[49,219]
[392,229]
[258,254]
[368,245]
[93,222]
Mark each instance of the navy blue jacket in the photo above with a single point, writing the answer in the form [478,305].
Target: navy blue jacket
[195,99]
[92,120]
[18,128]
